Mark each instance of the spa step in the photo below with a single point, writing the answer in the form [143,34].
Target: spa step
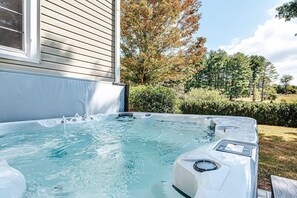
[283,187]
[264,193]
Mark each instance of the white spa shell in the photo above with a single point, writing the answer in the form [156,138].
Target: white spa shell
[236,176]
[12,182]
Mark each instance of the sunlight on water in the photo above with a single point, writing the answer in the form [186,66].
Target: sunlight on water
[107,158]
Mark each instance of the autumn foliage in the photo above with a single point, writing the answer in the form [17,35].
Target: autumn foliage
[159,42]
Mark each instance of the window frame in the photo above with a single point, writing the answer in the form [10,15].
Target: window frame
[31,37]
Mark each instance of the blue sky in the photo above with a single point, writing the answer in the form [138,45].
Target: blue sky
[250,26]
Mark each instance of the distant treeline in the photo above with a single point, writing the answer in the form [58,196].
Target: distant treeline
[239,75]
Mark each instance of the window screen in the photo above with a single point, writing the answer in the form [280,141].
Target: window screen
[11,23]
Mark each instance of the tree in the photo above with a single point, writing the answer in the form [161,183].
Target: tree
[238,75]
[199,79]
[287,10]
[267,75]
[235,75]
[257,64]
[216,64]
[159,42]
[212,74]
[285,80]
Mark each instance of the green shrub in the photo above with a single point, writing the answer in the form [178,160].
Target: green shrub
[270,93]
[281,114]
[152,99]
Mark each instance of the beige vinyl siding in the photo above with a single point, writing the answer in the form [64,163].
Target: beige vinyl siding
[103,6]
[77,40]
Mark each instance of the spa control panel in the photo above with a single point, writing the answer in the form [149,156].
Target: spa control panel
[235,147]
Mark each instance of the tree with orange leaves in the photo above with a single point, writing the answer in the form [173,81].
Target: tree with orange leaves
[159,42]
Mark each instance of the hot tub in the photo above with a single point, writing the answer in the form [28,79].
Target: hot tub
[129,155]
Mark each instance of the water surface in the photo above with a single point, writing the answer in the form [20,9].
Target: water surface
[107,158]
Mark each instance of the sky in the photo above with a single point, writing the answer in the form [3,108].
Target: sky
[250,26]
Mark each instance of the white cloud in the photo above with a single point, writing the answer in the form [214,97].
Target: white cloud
[275,41]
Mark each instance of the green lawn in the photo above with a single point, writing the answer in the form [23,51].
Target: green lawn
[289,98]
[278,153]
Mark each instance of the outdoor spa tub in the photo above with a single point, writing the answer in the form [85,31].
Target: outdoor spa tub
[130,155]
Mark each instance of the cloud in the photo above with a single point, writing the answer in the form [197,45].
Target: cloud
[275,41]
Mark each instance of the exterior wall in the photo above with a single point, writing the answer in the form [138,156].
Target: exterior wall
[77,41]
[33,97]
[79,52]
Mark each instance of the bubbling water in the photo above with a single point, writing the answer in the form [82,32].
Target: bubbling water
[106,157]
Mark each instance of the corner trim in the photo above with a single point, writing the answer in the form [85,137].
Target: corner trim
[117,40]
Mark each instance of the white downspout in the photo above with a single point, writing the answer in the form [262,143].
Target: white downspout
[117,39]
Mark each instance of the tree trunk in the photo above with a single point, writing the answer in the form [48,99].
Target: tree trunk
[254,91]
[262,91]
[142,79]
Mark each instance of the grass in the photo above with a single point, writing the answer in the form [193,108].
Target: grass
[289,98]
[278,153]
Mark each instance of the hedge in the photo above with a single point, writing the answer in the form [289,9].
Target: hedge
[280,114]
[152,99]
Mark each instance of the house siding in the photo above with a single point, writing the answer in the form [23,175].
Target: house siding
[77,40]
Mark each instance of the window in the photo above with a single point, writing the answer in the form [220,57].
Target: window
[19,30]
